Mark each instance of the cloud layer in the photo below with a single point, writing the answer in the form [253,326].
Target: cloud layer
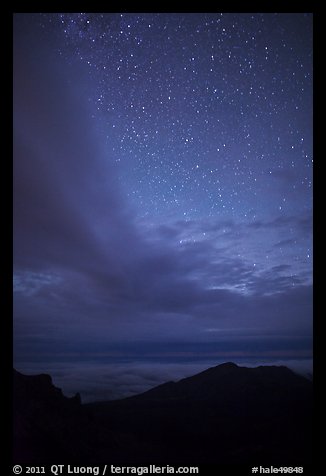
[96,382]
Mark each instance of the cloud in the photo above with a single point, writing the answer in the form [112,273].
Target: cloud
[68,210]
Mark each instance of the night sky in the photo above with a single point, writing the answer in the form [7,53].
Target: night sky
[162,195]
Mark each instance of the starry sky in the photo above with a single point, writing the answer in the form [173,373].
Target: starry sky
[162,194]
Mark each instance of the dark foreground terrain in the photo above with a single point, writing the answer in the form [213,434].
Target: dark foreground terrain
[224,415]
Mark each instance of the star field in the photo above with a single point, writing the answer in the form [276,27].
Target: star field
[205,113]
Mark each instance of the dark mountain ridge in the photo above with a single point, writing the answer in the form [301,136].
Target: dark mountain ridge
[229,378]
[226,414]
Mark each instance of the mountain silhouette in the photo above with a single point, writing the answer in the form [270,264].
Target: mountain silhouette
[224,415]
[231,382]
